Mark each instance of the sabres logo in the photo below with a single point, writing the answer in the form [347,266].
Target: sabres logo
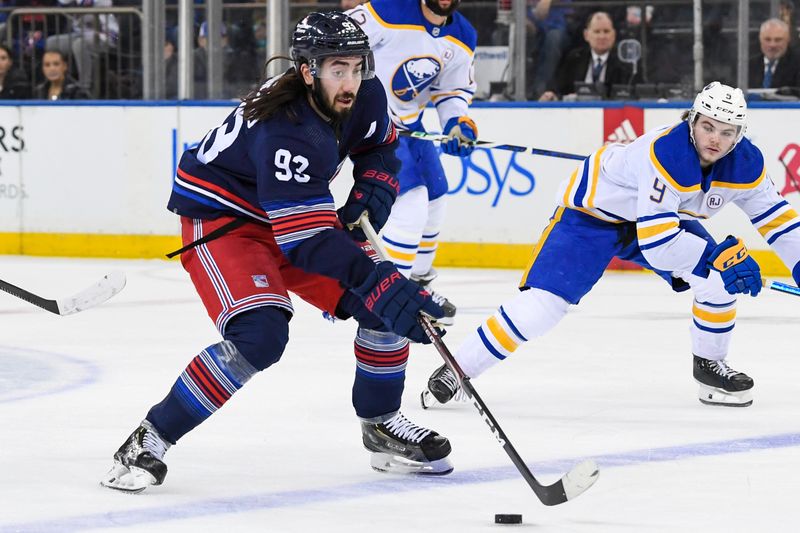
[413,76]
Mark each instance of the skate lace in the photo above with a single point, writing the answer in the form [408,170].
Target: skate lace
[153,443]
[437,298]
[451,382]
[723,369]
[401,427]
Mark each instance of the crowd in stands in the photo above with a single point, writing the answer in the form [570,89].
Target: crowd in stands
[570,49]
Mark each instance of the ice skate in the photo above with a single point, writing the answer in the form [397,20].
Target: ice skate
[424,281]
[442,387]
[399,446]
[139,461]
[722,385]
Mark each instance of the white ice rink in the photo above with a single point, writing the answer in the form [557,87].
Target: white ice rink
[612,382]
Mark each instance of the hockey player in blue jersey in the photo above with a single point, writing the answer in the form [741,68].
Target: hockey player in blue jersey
[643,202]
[423,52]
[258,220]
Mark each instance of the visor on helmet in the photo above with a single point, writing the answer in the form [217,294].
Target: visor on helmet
[326,67]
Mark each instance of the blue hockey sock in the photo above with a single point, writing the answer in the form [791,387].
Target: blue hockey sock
[381,360]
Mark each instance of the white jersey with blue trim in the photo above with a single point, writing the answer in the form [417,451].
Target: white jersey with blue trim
[656,181]
[418,62]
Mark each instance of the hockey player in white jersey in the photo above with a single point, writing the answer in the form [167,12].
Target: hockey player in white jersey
[643,202]
[423,53]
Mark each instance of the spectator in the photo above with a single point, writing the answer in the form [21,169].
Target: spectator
[85,39]
[201,59]
[170,68]
[13,85]
[786,14]
[548,39]
[592,63]
[778,65]
[57,85]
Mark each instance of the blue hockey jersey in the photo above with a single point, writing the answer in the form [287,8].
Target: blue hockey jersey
[278,171]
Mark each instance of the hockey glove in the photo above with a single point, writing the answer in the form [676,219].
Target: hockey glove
[373,192]
[739,271]
[461,131]
[397,301]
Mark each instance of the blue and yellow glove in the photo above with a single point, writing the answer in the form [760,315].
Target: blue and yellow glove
[461,132]
[740,272]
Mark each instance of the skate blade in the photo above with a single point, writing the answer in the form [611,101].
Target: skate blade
[393,464]
[129,481]
[428,400]
[715,396]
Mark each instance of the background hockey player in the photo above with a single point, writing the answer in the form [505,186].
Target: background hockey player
[259,219]
[642,202]
[423,53]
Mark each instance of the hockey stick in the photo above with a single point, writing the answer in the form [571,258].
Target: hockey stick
[781,287]
[489,144]
[91,296]
[571,485]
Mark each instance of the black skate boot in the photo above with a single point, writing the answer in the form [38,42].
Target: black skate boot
[722,385]
[139,461]
[425,281]
[442,387]
[399,446]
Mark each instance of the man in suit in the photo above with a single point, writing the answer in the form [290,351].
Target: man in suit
[595,63]
[778,65]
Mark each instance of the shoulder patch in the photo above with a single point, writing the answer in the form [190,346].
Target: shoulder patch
[741,169]
[675,158]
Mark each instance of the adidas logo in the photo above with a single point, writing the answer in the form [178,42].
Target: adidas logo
[623,134]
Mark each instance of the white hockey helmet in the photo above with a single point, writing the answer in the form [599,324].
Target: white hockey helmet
[720,102]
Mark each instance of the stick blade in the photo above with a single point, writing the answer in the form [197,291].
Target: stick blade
[580,478]
[96,294]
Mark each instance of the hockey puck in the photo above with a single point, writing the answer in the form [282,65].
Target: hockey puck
[508,519]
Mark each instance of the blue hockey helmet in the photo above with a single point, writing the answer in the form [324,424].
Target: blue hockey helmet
[333,34]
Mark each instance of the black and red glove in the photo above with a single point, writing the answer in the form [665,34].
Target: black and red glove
[374,192]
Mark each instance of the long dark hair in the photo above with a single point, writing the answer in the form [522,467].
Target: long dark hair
[265,102]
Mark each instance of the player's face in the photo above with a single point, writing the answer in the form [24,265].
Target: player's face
[713,139]
[53,67]
[340,78]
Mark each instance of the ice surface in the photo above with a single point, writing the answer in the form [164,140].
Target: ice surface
[613,383]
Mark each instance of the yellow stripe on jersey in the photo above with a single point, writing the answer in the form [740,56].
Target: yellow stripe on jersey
[500,335]
[459,43]
[691,214]
[777,222]
[435,97]
[393,26]
[415,27]
[536,249]
[651,231]
[595,175]
[663,172]
[567,193]
[752,185]
[427,244]
[394,254]
[717,318]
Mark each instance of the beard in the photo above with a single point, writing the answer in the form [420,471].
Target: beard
[433,5]
[327,104]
